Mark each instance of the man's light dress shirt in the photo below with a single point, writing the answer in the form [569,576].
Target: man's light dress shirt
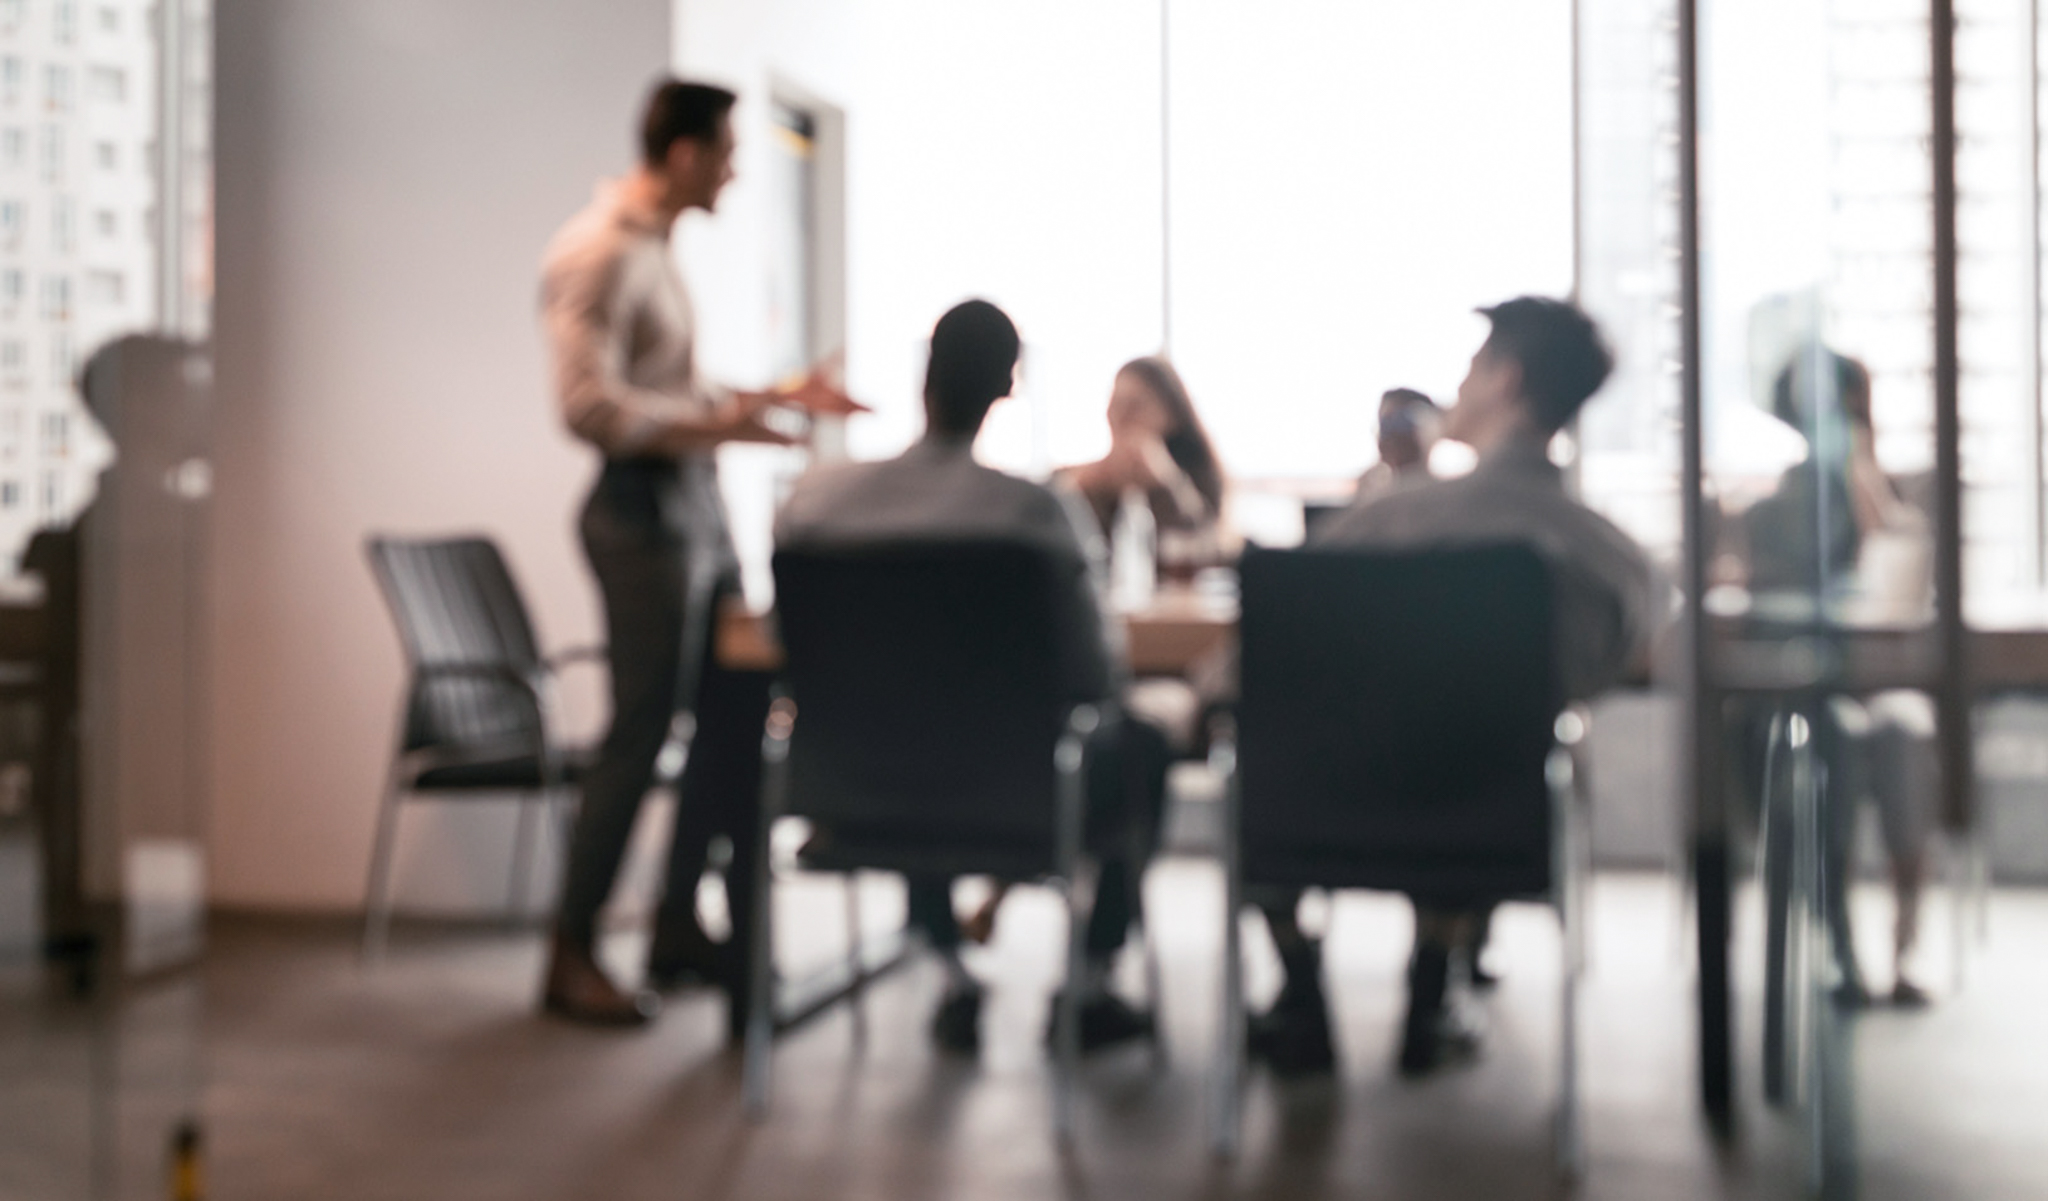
[619,321]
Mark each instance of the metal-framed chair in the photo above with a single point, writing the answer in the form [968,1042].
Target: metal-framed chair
[925,728]
[477,718]
[1398,729]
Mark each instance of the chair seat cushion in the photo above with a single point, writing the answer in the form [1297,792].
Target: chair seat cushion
[1442,880]
[513,773]
[918,853]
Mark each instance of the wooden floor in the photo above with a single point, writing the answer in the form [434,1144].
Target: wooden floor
[430,1077]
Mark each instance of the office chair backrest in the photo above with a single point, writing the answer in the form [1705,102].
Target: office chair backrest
[926,678]
[457,606]
[1396,716]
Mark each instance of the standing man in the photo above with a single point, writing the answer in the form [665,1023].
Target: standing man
[622,333]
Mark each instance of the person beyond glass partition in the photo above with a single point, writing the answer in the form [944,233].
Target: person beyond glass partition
[1835,536]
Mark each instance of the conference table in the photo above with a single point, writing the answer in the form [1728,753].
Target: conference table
[1166,637]
[1747,655]
[1179,628]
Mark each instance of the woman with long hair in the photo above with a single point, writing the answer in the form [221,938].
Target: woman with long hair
[1157,446]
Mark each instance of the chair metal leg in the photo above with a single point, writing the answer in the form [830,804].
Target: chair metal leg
[1134,882]
[1068,761]
[1567,896]
[1980,861]
[1571,1149]
[1962,887]
[522,859]
[856,962]
[1225,1116]
[1775,869]
[377,895]
[759,1051]
[1155,994]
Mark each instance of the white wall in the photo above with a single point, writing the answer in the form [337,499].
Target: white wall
[388,172]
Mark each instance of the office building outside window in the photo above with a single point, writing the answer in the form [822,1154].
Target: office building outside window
[81,78]
[56,296]
[57,89]
[109,85]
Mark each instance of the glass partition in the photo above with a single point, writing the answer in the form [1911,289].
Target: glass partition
[105,380]
[1813,230]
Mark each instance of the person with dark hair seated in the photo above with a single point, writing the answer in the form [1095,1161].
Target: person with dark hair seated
[1540,363]
[936,491]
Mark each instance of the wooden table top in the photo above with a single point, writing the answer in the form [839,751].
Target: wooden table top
[1180,628]
[1167,637]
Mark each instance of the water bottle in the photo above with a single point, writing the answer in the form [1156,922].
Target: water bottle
[1133,553]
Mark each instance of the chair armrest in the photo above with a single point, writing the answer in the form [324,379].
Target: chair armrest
[426,672]
[576,654]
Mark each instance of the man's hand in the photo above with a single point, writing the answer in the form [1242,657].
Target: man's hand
[818,394]
[741,421]
[749,425]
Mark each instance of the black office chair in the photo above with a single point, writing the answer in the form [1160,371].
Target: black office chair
[1396,730]
[925,729]
[477,717]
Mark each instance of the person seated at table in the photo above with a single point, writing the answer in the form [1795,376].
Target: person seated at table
[1539,364]
[937,491]
[1410,424]
[1874,556]
[1159,450]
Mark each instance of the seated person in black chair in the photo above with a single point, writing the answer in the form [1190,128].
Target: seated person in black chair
[1540,363]
[936,490]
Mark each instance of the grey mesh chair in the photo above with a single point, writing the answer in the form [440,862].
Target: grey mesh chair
[925,729]
[1397,730]
[477,717]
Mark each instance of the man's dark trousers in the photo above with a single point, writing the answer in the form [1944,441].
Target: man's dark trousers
[654,533]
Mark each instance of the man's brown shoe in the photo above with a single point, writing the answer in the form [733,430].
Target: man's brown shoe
[579,991]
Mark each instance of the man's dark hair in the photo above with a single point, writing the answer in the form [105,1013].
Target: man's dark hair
[677,110]
[974,356]
[1562,356]
[1406,397]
